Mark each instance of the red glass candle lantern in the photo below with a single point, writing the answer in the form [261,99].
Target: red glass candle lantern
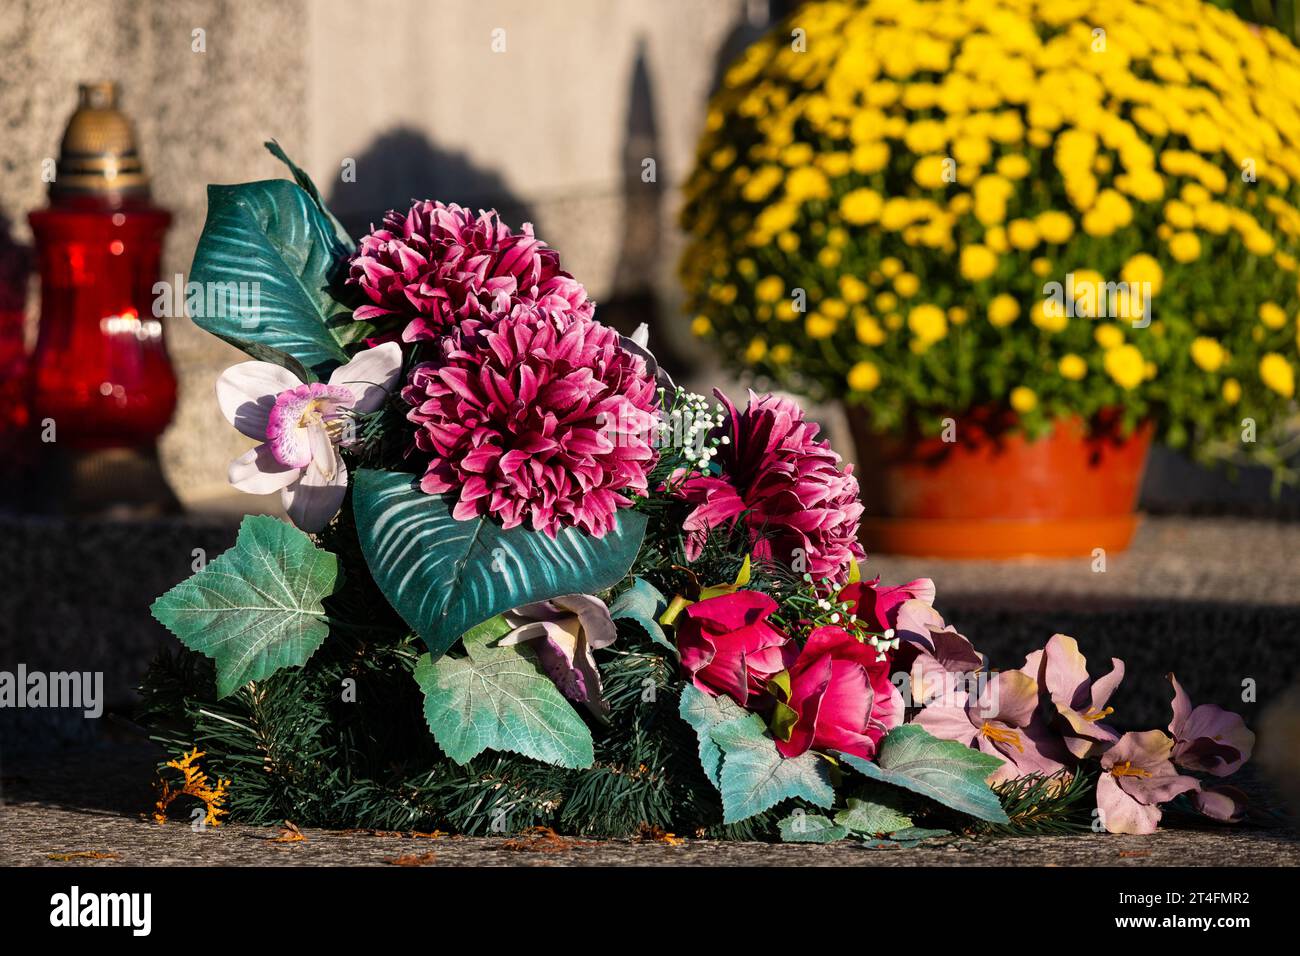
[100,371]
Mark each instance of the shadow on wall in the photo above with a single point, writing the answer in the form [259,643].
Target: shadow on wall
[402,165]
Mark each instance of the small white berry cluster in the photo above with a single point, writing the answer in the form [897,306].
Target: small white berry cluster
[688,428]
[841,613]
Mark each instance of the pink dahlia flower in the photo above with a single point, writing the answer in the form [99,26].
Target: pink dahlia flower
[541,418]
[438,265]
[799,506]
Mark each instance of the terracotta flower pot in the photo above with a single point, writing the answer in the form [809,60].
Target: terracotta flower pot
[991,493]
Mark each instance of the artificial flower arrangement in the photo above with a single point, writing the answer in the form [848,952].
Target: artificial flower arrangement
[1047,209]
[531,581]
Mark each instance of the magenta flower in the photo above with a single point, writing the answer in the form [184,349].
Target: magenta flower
[727,646]
[1137,776]
[799,506]
[540,418]
[301,427]
[1208,738]
[878,606]
[565,630]
[837,696]
[437,266]
[1002,720]
[1076,703]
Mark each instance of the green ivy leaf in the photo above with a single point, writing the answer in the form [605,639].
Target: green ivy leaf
[443,576]
[642,604]
[256,608]
[704,712]
[876,811]
[946,771]
[498,698]
[270,237]
[800,827]
[755,777]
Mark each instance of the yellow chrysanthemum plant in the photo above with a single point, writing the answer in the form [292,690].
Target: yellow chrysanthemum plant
[1058,208]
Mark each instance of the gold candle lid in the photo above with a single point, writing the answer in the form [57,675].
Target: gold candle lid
[98,154]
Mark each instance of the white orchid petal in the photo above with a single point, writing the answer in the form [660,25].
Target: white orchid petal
[246,393]
[258,473]
[324,456]
[314,499]
[371,375]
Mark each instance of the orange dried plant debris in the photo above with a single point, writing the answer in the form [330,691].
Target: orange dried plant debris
[194,783]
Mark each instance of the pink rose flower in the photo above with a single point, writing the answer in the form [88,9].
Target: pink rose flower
[727,646]
[839,697]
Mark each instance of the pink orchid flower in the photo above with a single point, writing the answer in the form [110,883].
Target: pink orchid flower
[1137,776]
[564,631]
[1076,703]
[300,426]
[1208,738]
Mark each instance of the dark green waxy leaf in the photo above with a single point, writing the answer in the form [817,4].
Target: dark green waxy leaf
[443,575]
[256,608]
[945,771]
[800,827]
[642,604]
[704,712]
[498,698]
[755,777]
[305,182]
[265,262]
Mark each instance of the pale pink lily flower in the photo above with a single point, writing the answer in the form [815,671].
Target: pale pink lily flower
[1137,776]
[301,426]
[1208,738]
[564,631]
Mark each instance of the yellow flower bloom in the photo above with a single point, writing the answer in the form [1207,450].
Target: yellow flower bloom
[819,326]
[1013,166]
[1023,399]
[1208,354]
[807,183]
[1054,226]
[1185,246]
[890,267]
[977,262]
[769,289]
[1003,310]
[1231,391]
[886,302]
[861,206]
[1049,316]
[906,284]
[1272,315]
[1108,336]
[701,326]
[1072,367]
[1022,234]
[852,288]
[957,315]
[868,331]
[1125,365]
[1143,269]
[863,377]
[1276,372]
[928,323]
[755,351]
[781,354]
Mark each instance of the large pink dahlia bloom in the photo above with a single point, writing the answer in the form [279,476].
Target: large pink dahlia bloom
[436,266]
[799,506]
[540,418]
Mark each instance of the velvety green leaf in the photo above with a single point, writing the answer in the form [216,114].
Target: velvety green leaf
[444,576]
[755,777]
[875,812]
[704,712]
[946,771]
[269,237]
[256,608]
[800,827]
[498,698]
[642,604]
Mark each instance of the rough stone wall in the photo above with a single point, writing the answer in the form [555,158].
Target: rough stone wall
[413,91]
